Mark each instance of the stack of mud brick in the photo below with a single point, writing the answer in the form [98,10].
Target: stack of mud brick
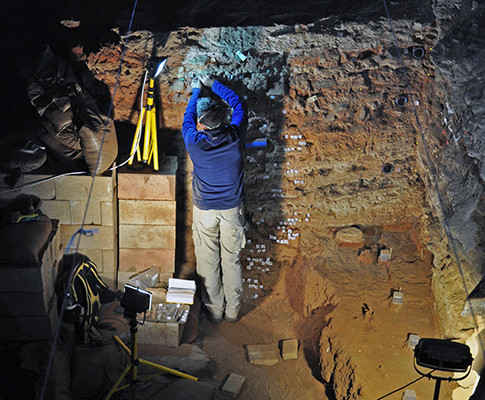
[65,199]
[147,207]
[28,304]
[100,217]
[131,215]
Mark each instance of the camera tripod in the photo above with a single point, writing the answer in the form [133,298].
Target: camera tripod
[135,361]
[150,142]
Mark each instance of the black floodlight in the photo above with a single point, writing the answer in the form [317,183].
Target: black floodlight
[135,300]
[442,355]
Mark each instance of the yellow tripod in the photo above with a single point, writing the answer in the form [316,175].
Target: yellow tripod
[150,142]
[135,361]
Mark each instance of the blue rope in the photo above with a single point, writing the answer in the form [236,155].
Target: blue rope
[81,231]
[109,111]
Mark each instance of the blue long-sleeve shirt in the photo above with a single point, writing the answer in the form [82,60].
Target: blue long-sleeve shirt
[217,155]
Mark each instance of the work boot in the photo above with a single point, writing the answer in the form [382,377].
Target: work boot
[213,318]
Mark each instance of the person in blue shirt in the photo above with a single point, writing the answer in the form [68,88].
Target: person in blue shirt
[218,226]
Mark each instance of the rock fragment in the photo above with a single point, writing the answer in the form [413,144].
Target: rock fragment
[263,354]
[350,236]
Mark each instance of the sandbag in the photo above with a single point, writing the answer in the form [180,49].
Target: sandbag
[24,155]
[74,126]
[96,130]
[19,158]
[94,369]
[63,150]
[91,141]
[23,242]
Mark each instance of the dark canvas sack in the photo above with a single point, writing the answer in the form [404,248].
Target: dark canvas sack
[72,108]
[83,303]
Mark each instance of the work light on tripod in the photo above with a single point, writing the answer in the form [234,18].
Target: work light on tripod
[136,301]
[150,142]
[442,355]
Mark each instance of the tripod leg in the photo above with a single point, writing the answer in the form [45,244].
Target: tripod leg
[134,361]
[150,147]
[437,386]
[136,139]
[134,357]
[154,140]
[168,370]
[114,388]
[133,353]
[146,145]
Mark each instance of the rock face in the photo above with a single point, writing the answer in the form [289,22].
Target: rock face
[350,236]
[371,142]
[337,368]
[459,172]
[346,151]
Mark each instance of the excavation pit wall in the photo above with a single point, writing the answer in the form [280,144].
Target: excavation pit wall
[324,98]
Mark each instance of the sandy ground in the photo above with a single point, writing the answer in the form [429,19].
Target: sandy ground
[353,344]
[268,324]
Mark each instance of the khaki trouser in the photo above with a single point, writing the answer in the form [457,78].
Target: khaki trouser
[219,236]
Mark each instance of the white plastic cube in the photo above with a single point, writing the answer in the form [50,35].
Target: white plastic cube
[409,395]
[413,340]
[397,298]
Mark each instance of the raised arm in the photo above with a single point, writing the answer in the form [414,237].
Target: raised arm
[239,106]
[189,125]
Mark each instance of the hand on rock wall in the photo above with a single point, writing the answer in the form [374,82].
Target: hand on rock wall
[196,84]
[207,80]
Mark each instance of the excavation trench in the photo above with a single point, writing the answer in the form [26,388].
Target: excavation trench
[324,205]
[343,239]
